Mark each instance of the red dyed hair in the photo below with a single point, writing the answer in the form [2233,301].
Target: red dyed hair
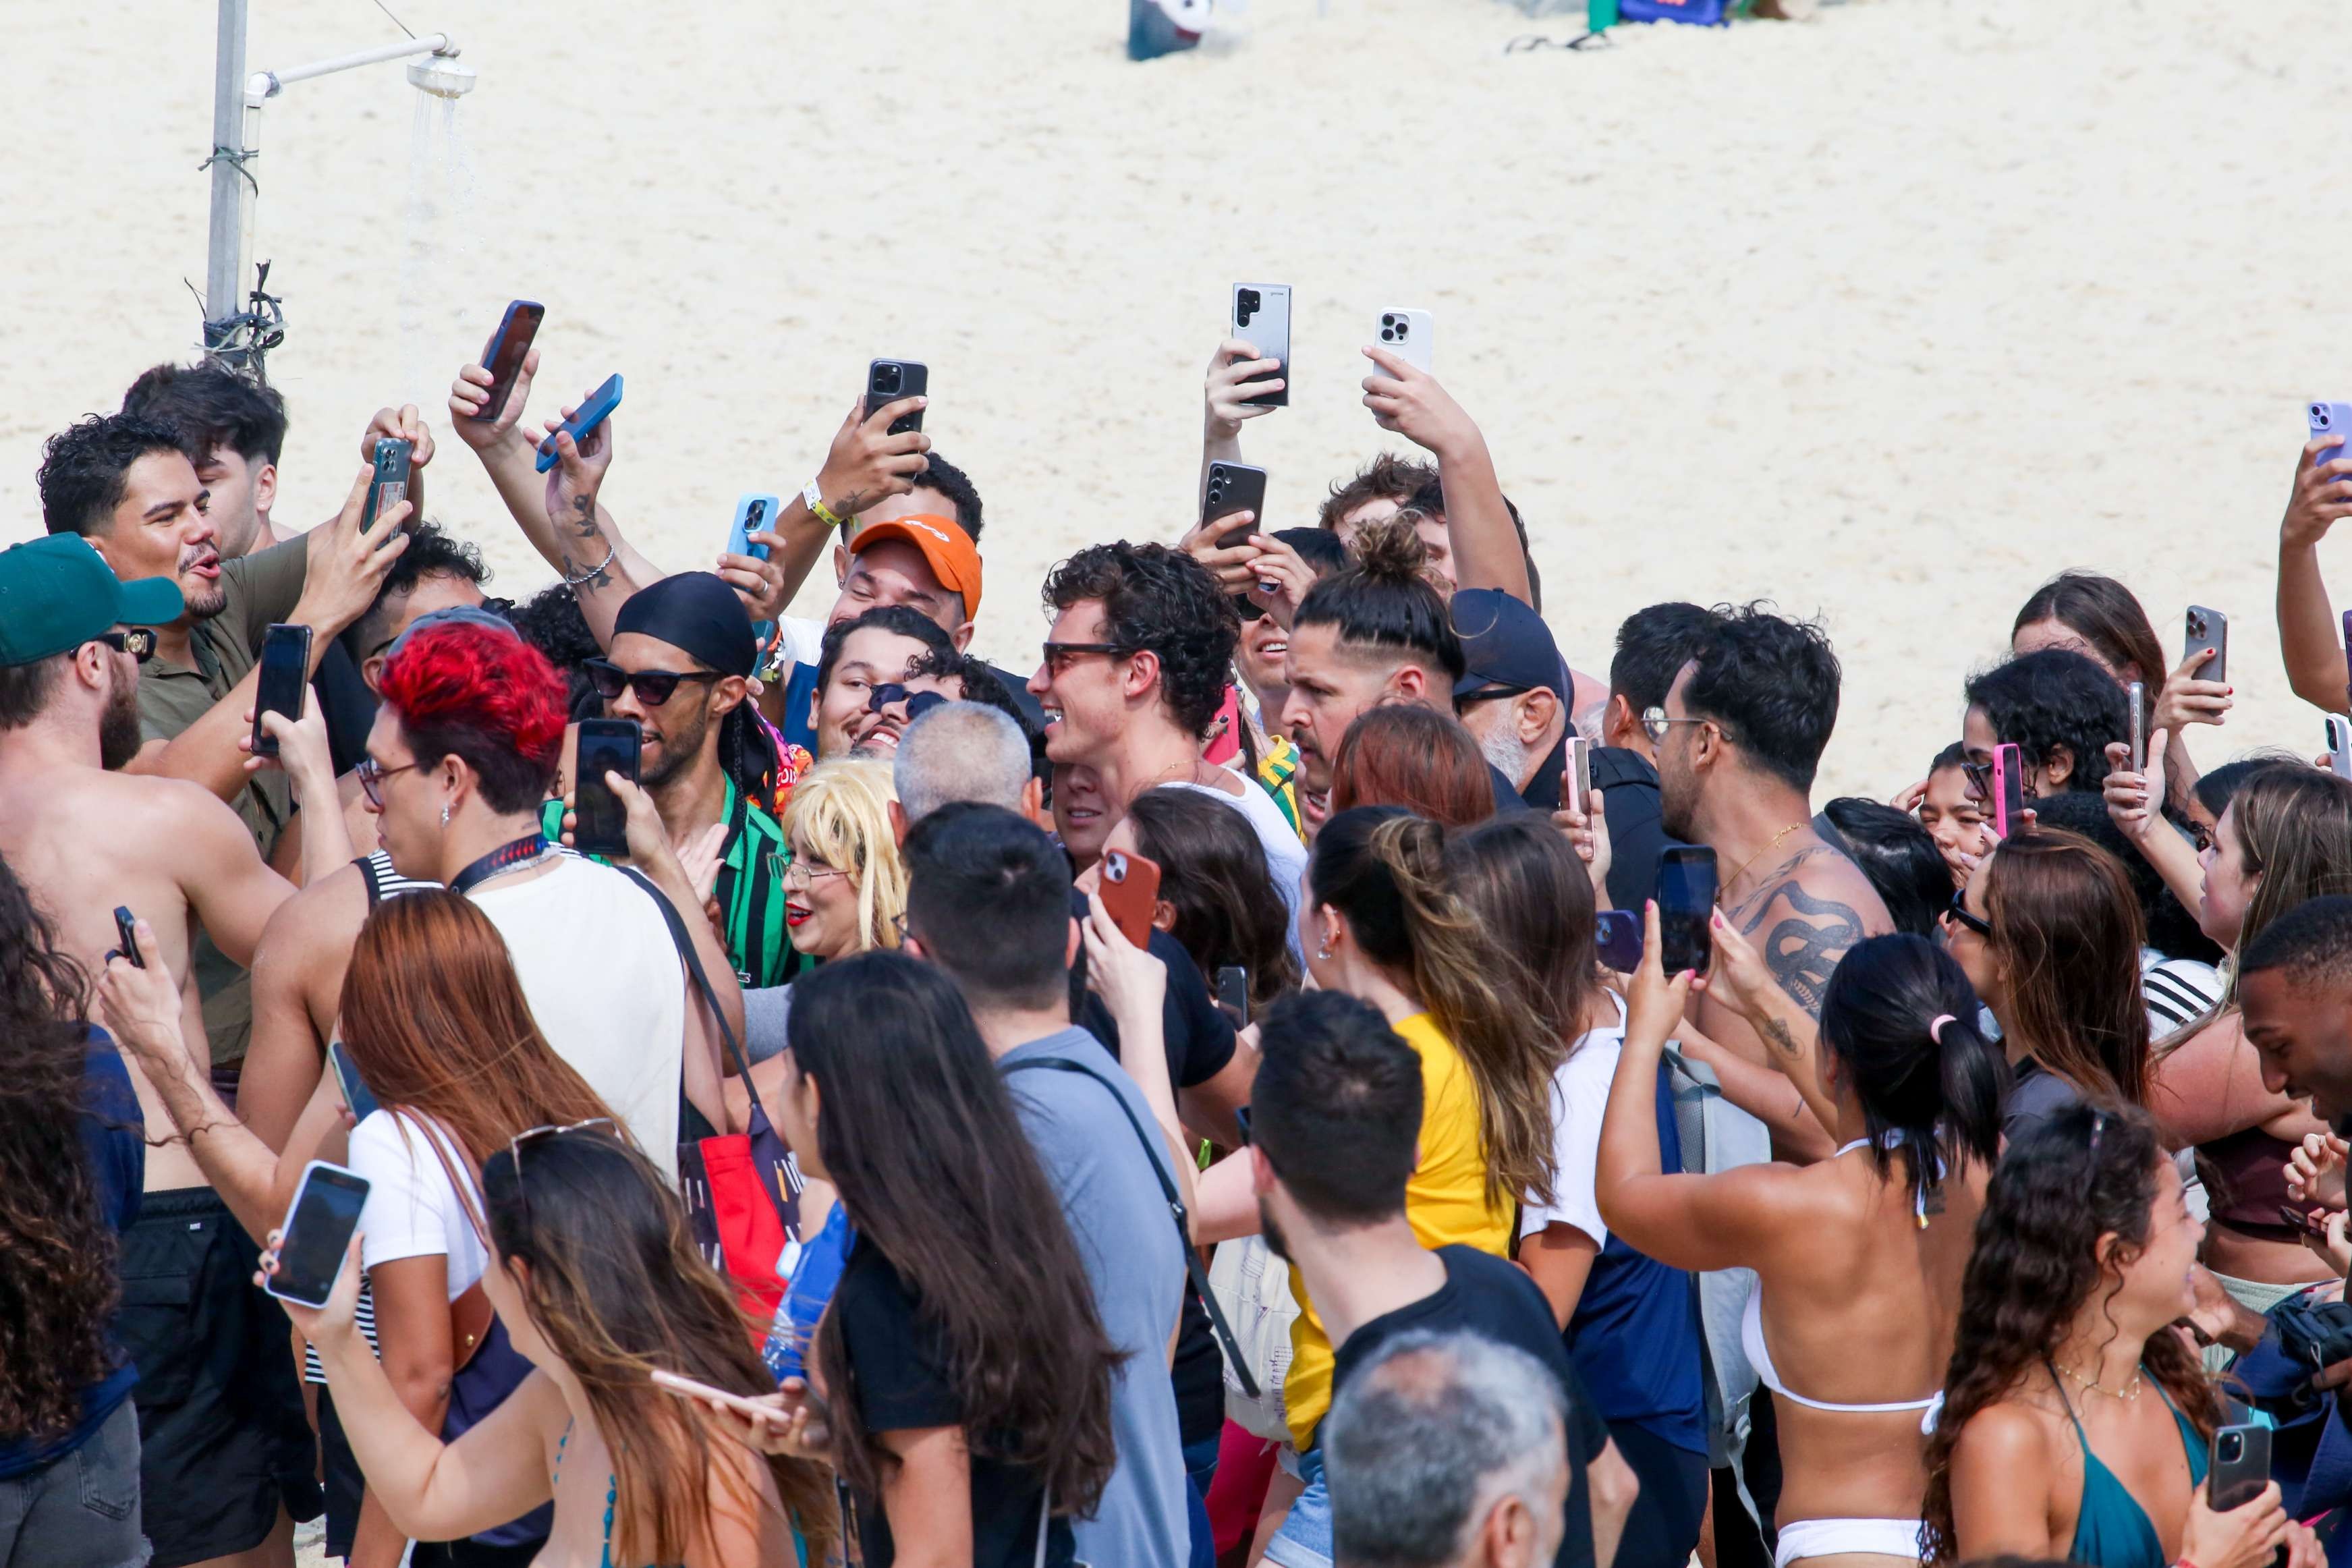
[485,696]
[1407,755]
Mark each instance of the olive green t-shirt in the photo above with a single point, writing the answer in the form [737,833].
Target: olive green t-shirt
[261,589]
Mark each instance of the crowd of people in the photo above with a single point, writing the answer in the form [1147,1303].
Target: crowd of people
[1217,1098]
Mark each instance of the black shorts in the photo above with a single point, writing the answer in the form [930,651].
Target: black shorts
[223,1441]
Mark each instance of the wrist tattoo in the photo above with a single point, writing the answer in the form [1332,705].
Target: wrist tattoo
[1778,1034]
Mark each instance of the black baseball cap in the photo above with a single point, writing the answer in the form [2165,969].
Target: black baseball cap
[1505,646]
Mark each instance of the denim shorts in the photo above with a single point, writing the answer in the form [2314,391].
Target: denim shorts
[80,1510]
[1305,1538]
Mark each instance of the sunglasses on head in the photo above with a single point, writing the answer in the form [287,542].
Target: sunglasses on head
[654,687]
[533,1134]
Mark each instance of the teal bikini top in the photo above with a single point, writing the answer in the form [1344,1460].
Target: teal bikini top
[613,1496]
[2110,1529]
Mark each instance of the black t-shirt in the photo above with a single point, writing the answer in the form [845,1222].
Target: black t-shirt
[1637,831]
[1506,793]
[899,1373]
[1200,1042]
[347,704]
[1491,1298]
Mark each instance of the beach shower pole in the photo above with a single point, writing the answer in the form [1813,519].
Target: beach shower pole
[232,188]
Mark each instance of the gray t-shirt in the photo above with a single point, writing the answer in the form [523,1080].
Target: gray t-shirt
[1119,1214]
[767,1011]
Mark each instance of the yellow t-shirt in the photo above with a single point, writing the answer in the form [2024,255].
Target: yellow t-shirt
[1445,1200]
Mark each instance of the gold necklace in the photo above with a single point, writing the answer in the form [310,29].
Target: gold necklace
[2127,1392]
[1725,886]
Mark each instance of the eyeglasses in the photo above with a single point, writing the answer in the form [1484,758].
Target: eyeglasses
[1058,655]
[654,687]
[372,774]
[810,871]
[533,1134]
[139,642]
[1960,912]
[1655,722]
[1980,777]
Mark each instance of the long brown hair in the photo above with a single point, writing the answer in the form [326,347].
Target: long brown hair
[56,1251]
[618,1289]
[1519,877]
[1384,869]
[2110,620]
[1214,873]
[2087,1172]
[2295,830]
[2066,930]
[1404,754]
[438,1025]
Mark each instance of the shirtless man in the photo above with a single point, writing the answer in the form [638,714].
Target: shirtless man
[224,1449]
[1739,738]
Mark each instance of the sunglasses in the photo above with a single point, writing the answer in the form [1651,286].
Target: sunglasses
[532,1135]
[1058,655]
[139,642]
[1959,910]
[654,687]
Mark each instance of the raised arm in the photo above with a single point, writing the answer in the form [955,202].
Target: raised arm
[2309,638]
[1409,401]
[864,465]
[2130,798]
[1236,374]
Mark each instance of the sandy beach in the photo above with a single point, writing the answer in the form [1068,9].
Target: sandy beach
[1885,317]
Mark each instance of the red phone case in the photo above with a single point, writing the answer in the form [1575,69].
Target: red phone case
[1129,900]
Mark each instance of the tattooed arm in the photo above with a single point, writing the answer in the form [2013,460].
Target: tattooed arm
[1742,980]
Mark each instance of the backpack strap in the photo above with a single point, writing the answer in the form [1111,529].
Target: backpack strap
[1175,1208]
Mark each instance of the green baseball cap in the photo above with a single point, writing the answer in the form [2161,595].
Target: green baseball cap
[57,593]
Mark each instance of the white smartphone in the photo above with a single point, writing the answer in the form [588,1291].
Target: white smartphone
[688,1388]
[1262,320]
[1411,335]
[317,1233]
[2339,745]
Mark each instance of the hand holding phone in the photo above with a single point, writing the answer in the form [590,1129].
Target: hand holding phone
[2137,694]
[754,513]
[503,355]
[126,935]
[2206,629]
[600,817]
[887,381]
[2240,1467]
[1262,319]
[388,483]
[1234,992]
[283,682]
[582,423]
[1409,334]
[317,1234]
[1686,892]
[1233,489]
[1130,891]
[2008,790]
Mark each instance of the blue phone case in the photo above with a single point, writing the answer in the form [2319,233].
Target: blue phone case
[2331,420]
[738,542]
[592,413]
[1617,940]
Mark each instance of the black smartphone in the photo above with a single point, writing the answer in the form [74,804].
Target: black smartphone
[317,1233]
[127,939]
[1686,904]
[1262,320]
[1235,487]
[888,380]
[285,676]
[2241,1467]
[601,823]
[389,483]
[1617,939]
[503,355]
[356,1093]
[1233,990]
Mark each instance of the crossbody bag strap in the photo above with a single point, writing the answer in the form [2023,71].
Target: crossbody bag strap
[1175,1208]
[694,967]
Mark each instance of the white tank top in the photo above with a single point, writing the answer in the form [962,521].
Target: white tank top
[604,981]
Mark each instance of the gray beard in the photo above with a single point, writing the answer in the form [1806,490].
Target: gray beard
[1505,751]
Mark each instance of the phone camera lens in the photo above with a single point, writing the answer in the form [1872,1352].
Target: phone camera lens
[1402,331]
[1388,335]
[886,378]
[1114,867]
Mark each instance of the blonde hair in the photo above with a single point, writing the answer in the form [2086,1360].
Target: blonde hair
[841,810]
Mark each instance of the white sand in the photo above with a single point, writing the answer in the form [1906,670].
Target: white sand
[1886,316]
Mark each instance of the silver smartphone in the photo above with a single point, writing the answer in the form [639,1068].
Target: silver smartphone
[2139,694]
[1262,320]
[2207,628]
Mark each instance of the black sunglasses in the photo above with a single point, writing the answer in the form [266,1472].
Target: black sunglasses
[139,642]
[1960,912]
[654,687]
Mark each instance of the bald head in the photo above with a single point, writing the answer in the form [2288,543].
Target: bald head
[962,751]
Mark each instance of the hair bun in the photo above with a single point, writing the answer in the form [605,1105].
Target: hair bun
[1390,549]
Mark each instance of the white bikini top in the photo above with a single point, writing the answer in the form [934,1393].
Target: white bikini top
[1759,1356]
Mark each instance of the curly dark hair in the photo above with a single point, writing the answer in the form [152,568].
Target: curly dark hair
[1161,602]
[2086,1171]
[433,552]
[1772,683]
[1386,477]
[952,482]
[2056,698]
[83,466]
[57,1252]
[550,621]
[212,406]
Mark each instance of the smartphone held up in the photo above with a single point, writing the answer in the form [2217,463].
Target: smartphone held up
[600,818]
[1262,320]
[583,421]
[320,1223]
[503,355]
[284,677]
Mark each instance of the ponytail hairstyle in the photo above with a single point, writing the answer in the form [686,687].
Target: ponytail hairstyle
[2085,1172]
[1383,600]
[1518,875]
[1900,1020]
[1384,869]
[2068,928]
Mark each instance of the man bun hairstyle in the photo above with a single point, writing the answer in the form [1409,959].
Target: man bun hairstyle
[1384,600]
[486,696]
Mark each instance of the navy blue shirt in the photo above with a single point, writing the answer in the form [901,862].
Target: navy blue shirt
[113,1138]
